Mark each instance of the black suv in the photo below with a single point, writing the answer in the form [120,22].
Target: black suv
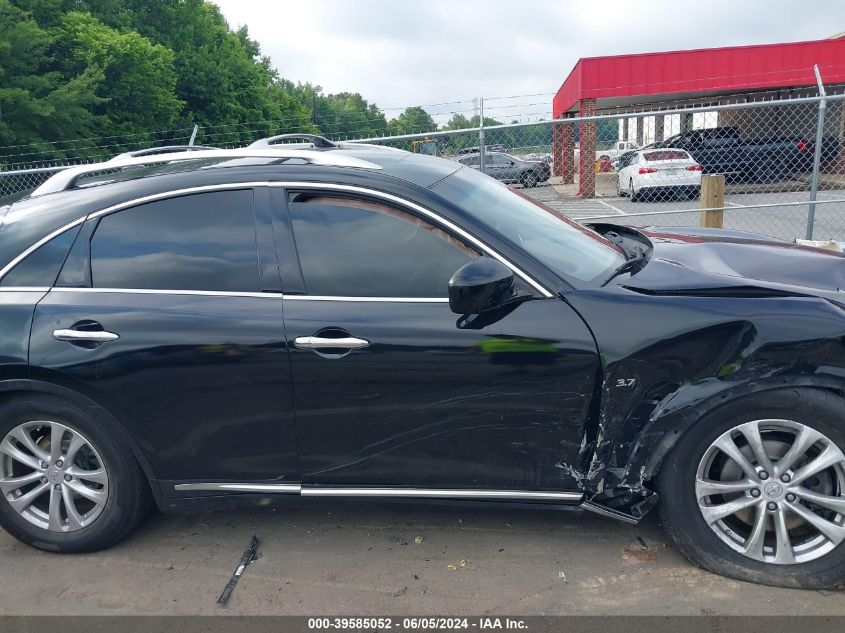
[223,326]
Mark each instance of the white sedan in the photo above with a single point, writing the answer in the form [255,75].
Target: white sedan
[658,174]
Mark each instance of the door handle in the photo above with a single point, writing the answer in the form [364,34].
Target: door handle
[319,342]
[86,336]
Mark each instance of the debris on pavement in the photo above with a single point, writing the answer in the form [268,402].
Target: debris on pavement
[418,539]
[464,562]
[400,592]
[562,575]
[249,555]
[639,553]
[451,567]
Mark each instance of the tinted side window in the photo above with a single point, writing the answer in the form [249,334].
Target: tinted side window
[41,267]
[472,160]
[357,248]
[199,242]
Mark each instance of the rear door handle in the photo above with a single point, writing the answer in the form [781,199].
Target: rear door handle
[319,342]
[91,336]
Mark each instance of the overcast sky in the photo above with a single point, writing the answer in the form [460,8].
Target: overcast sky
[398,53]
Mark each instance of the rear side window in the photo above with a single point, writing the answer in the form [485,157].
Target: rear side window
[358,248]
[666,155]
[41,267]
[200,242]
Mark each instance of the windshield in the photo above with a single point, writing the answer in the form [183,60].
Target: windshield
[581,256]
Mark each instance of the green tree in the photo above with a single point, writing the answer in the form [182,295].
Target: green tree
[413,120]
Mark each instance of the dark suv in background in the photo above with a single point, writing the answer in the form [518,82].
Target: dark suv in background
[510,169]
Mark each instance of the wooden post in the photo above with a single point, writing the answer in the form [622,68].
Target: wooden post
[712,197]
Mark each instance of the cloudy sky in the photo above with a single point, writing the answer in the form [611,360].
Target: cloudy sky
[427,52]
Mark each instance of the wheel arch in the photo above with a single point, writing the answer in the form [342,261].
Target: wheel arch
[628,486]
[13,388]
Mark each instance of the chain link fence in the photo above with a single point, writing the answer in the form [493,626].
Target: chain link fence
[783,161]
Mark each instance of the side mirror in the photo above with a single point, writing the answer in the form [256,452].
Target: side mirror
[482,284]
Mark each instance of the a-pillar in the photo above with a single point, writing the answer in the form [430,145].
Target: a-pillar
[658,127]
[587,158]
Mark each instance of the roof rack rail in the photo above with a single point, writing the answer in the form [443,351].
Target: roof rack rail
[165,149]
[66,179]
[318,142]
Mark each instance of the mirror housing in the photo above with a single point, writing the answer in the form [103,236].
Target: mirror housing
[482,284]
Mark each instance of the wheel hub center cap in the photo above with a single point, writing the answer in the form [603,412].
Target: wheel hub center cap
[773,490]
[53,476]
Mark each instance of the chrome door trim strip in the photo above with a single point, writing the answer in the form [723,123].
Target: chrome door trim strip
[426,212]
[607,512]
[25,289]
[233,487]
[419,493]
[440,493]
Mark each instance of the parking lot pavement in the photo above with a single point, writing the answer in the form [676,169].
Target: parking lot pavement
[321,557]
[784,222]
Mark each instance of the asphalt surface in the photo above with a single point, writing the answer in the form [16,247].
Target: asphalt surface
[784,222]
[342,557]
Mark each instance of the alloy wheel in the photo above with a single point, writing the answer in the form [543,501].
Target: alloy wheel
[774,491]
[52,476]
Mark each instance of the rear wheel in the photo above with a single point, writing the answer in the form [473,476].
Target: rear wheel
[67,483]
[756,491]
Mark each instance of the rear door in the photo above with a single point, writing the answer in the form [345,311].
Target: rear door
[169,314]
[407,397]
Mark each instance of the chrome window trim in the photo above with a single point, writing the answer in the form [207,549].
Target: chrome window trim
[154,291]
[427,213]
[26,252]
[291,184]
[370,299]
[224,293]
[25,289]
[310,490]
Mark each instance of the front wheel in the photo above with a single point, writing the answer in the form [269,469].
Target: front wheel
[67,482]
[756,490]
[633,195]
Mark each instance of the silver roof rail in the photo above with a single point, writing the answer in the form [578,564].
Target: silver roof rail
[165,149]
[313,140]
[66,179]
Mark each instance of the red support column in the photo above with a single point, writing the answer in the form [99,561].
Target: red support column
[586,163]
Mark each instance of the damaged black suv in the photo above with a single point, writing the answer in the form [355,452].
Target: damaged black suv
[198,329]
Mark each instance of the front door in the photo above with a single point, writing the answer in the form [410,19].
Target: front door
[161,315]
[390,391]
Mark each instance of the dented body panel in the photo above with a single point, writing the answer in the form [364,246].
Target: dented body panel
[676,342]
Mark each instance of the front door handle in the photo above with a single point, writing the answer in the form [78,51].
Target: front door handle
[320,342]
[84,336]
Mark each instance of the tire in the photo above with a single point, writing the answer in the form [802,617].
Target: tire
[706,543]
[633,195]
[530,180]
[123,491]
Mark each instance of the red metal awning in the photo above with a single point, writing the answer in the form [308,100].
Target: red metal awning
[625,79]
